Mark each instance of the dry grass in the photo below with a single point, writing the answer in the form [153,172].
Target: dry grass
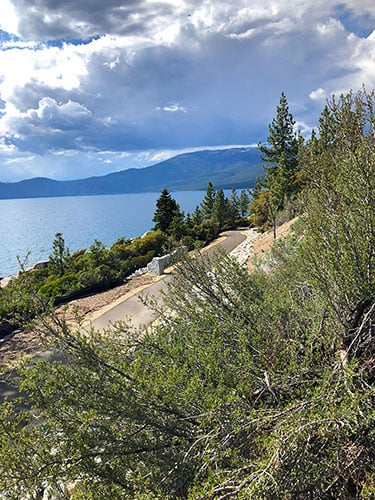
[264,243]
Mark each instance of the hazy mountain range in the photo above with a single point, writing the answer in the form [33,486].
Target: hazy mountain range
[225,168]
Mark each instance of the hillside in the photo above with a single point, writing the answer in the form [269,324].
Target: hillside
[252,385]
[236,167]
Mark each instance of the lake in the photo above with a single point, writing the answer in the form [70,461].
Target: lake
[30,225]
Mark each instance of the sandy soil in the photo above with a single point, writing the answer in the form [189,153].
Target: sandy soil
[264,243]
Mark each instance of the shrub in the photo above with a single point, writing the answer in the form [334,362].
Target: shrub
[60,286]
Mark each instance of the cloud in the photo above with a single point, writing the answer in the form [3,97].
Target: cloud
[318,94]
[9,18]
[131,77]
[51,125]
[68,18]
[172,107]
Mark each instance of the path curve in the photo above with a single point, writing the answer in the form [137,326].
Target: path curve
[133,310]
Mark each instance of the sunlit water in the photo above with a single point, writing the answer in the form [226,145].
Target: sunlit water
[30,225]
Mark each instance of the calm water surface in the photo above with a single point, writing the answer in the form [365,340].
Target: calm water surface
[30,225]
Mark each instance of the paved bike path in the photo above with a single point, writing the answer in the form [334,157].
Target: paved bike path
[133,309]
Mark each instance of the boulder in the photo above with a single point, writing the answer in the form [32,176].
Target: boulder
[6,281]
[6,328]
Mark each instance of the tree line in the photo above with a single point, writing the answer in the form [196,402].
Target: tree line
[214,214]
[69,275]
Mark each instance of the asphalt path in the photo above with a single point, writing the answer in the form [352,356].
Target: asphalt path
[132,308]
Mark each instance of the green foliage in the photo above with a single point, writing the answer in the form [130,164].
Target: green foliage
[207,204]
[247,397]
[243,203]
[59,257]
[98,253]
[282,181]
[219,208]
[339,198]
[282,140]
[152,241]
[28,295]
[59,286]
[250,386]
[166,210]
[205,231]
[17,303]
[259,210]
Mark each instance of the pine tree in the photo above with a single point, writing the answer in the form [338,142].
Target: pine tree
[178,227]
[282,139]
[326,132]
[234,203]
[197,217]
[59,256]
[208,202]
[219,209]
[166,210]
[243,203]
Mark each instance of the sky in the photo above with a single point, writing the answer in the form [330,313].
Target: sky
[89,87]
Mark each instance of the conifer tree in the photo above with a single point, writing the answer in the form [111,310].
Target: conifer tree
[166,210]
[326,134]
[219,209]
[234,203]
[208,202]
[197,217]
[59,255]
[243,203]
[282,140]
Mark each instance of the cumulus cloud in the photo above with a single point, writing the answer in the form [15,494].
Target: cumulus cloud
[51,125]
[131,77]
[68,18]
[318,94]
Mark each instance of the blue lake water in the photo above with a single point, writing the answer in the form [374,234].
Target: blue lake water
[30,225]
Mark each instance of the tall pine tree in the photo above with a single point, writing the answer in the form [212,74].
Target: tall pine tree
[208,202]
[220,208]
[166,210]
[282,141]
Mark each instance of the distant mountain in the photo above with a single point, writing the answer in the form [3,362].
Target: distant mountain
[227,168]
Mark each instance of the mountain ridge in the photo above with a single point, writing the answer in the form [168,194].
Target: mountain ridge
[225,168]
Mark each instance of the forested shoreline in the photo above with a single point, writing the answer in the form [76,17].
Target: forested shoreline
[69,275]
[256,385]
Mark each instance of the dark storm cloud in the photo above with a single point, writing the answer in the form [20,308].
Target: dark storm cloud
[210,91]
[46,19]
[115,76]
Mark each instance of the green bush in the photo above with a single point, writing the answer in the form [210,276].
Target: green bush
[60,286]
[187,242]
[205,231]
[253,386]
[137,262]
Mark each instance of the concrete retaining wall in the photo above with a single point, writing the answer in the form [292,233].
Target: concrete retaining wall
[158,264]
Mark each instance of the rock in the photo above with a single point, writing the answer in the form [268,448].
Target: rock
[41,265]
[6,328]
[6,281]
[158,264]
